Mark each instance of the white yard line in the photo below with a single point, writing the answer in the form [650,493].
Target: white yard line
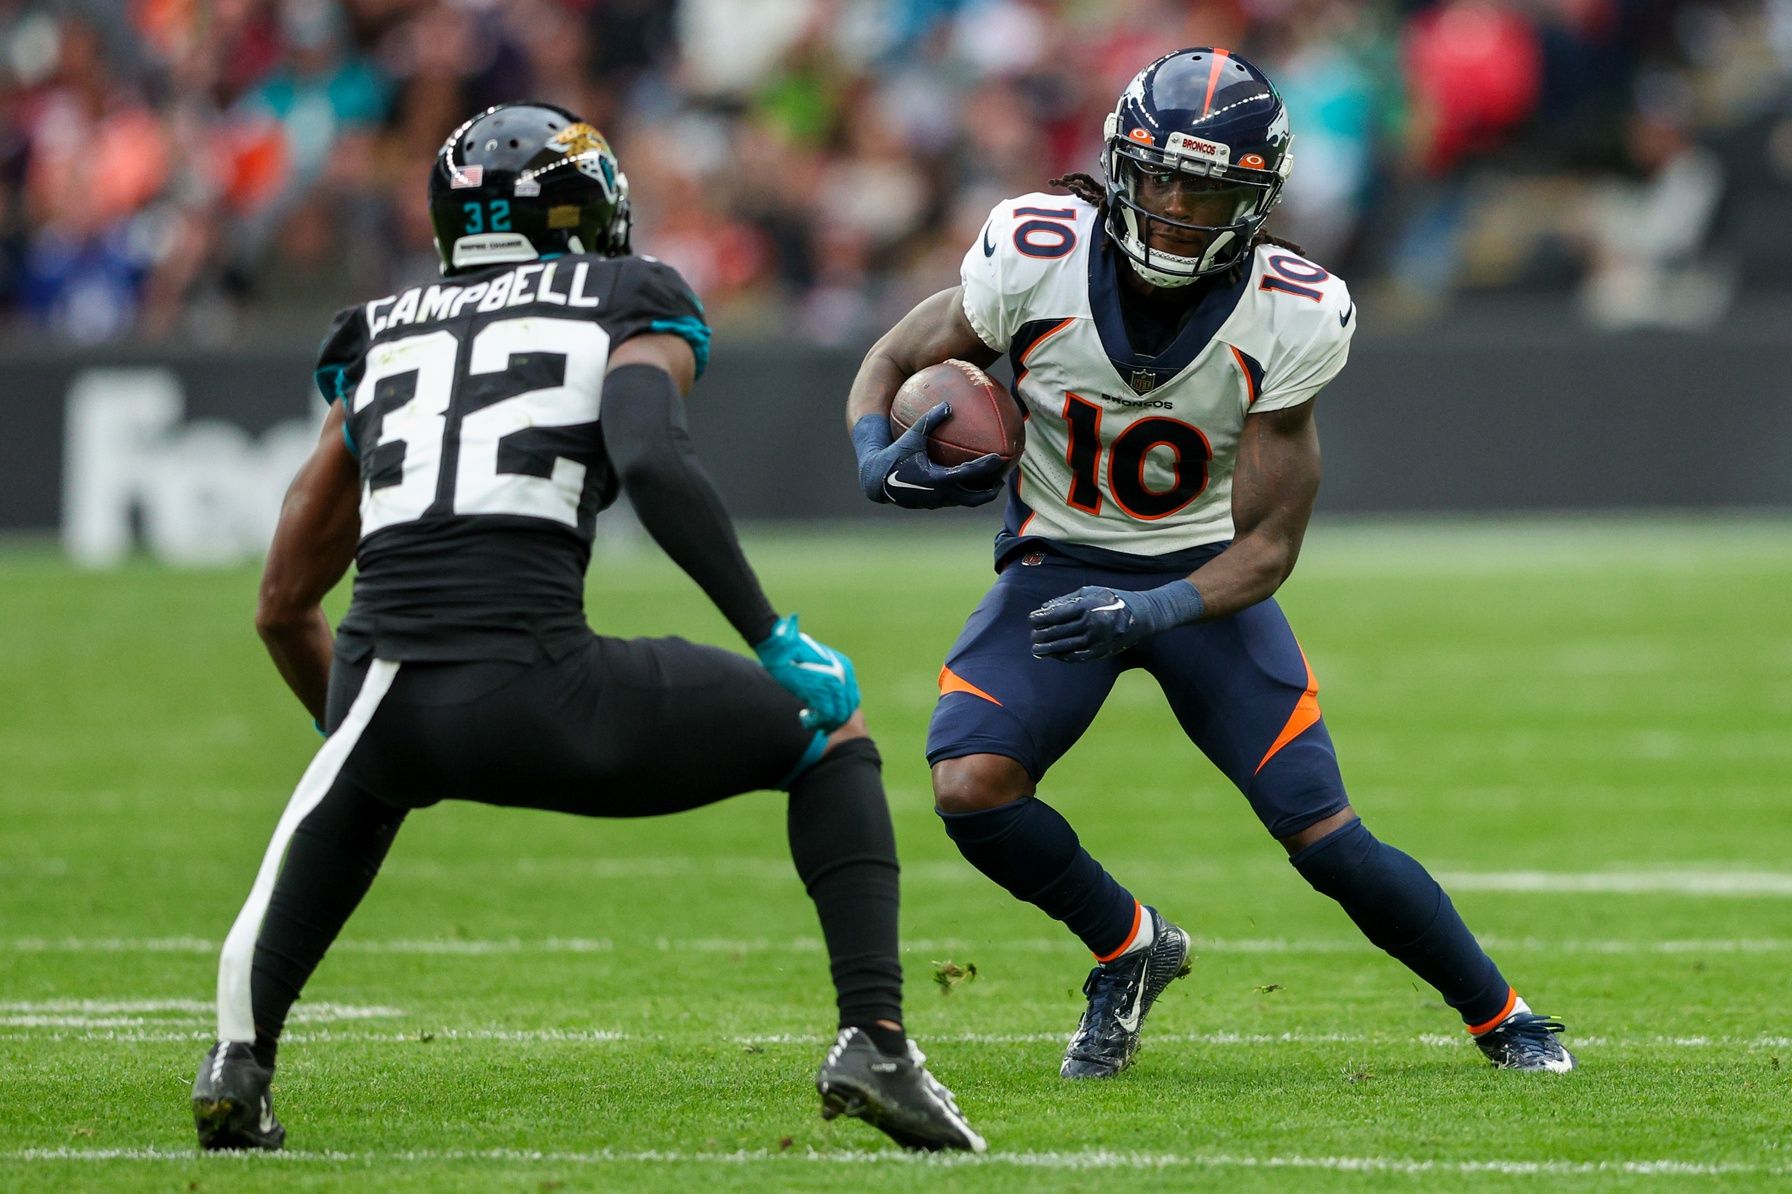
[149,1014]
[35,868]
[1709,880]
[940,946]
[1652,882]
[1093,1159]
[145,1032]
[303,1011]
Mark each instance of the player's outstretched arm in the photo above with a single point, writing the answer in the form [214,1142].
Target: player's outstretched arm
[1273,487]
[935,331]
[647,441]
[314,543]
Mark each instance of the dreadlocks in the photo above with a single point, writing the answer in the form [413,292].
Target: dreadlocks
[1085,187]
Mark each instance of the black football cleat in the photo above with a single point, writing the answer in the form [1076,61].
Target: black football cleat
[231,1105]
[895,1095]
[1120,993]
[1526,1041]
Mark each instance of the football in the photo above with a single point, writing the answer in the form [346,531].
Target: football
[984,417]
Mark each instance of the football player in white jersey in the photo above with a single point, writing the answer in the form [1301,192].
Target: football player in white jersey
[1166,356]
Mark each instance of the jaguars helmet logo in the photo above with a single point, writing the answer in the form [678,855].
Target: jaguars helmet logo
[578,138]
[587,149]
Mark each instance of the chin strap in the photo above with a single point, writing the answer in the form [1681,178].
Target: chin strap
[1121,227]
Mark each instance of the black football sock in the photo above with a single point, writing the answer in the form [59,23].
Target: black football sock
[335,853]
[1028,848]
[1400,908]
[845,854]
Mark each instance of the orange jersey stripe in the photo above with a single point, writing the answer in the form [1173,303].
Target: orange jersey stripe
[1048,334]
[1306,712]
[1246,370]
[951,681]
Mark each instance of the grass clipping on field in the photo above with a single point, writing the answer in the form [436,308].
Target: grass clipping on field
[949,974]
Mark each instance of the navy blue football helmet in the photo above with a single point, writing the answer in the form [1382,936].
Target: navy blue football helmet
[1195,152]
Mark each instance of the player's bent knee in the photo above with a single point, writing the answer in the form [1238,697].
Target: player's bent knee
[1318,831]
[975,782]
[854,728]
[848,742]
[1339,862]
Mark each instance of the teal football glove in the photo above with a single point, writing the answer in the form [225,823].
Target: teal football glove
[821,677]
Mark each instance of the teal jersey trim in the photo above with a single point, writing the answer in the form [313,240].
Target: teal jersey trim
[693,331]
[333,391]
[330,387]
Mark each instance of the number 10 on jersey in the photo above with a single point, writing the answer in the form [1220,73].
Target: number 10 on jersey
[1126,460]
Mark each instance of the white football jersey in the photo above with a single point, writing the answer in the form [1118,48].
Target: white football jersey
[1126,452]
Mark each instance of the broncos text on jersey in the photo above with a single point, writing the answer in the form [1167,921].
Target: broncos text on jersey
[1129,453]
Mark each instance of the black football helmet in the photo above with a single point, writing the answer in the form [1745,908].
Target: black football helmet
[522,181]
[1204,134]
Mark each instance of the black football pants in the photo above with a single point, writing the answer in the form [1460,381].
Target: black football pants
[617,728]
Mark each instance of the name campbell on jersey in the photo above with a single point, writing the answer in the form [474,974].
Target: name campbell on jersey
[1127,452]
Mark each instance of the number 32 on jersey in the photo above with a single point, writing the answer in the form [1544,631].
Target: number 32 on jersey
[414,381]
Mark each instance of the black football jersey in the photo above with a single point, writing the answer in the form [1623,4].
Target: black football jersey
[473,405]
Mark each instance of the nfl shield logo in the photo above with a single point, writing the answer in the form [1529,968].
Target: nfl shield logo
[1144,381]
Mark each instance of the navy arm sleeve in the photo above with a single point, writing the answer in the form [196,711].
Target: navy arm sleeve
[645,435]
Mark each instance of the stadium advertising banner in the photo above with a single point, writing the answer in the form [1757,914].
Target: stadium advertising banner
[185,456]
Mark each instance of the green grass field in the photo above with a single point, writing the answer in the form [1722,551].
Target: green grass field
[1584,728]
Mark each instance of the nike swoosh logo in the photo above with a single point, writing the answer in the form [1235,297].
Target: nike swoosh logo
[833,668]
[1344,319]
[1130,1021]
[888,481]
[1110,607]
[989,250]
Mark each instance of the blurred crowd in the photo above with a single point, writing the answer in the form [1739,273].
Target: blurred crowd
[204,170]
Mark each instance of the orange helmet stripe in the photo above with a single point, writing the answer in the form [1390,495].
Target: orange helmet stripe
[1213,78]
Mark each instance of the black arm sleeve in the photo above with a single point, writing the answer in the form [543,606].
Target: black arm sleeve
[644,433]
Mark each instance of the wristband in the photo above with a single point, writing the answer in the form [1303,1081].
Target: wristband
[1171,605]
[871,436]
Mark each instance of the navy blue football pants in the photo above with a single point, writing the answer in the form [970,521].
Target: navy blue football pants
[1240,687]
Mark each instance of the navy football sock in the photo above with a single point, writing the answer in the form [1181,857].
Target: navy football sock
[1028,848]
[1400,908]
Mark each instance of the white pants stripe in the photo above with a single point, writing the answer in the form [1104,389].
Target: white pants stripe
[236,1013]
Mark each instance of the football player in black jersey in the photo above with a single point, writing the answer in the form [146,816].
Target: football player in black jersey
[476,427]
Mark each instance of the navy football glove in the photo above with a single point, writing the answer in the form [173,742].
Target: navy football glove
[903,474]
[821,677]
[1094,623]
